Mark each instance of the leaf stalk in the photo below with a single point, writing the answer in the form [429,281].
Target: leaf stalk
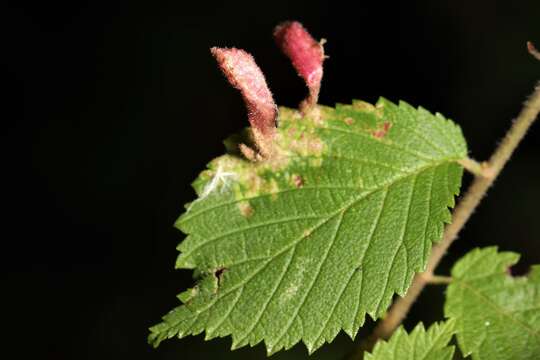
[476,168]
[439,280]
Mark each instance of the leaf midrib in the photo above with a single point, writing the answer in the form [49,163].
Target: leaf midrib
[415,172]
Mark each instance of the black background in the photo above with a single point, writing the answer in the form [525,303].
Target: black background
[113,109]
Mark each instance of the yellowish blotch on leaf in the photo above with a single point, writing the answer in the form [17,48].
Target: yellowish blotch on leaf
[245,208]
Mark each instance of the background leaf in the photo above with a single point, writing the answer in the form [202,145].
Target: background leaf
[308,242]
[418,345]
[497,315]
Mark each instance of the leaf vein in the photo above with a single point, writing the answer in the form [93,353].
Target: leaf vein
[269,299]
[380,141]
[334,237]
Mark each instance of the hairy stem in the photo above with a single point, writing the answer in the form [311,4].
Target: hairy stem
[461,214]
[533,51]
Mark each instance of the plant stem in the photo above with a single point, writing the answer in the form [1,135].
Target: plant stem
[532,50]
[461,214]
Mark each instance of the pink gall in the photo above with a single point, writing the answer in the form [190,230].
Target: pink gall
[306,55]
[242,72]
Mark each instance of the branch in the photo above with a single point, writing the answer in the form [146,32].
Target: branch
[461,214]
[532,50]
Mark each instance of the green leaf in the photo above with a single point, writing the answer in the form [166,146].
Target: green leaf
[304,244]
[497,315]
[419,345]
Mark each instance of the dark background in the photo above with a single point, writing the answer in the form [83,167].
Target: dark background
[114,108]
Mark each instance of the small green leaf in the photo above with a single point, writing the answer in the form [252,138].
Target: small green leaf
[303,244]
[497,315]
[418,345]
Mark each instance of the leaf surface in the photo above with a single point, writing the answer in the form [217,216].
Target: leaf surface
[497,315]
[300,246]
[418,345]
